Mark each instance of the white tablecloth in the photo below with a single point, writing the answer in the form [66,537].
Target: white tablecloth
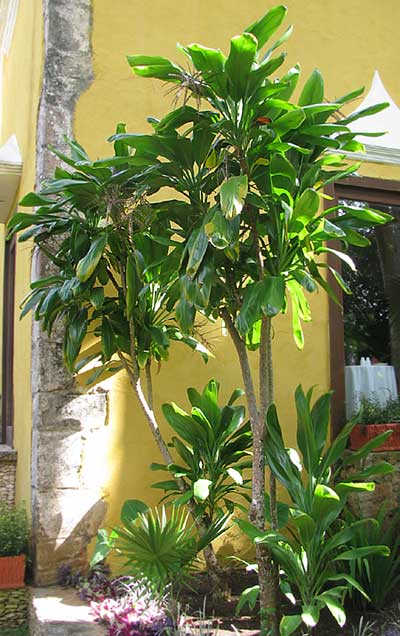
[376,381]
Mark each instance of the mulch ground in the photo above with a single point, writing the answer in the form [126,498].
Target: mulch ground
[223,621]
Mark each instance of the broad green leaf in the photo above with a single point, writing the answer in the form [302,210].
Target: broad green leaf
[238,65]
[107,339]
[310,615]
[273,295]
[289,121]
[248,597]
[197,251]
[313,90]
[306,207]
[211,64]
[335,608]
[89,262]
[266,26]
[131,509]
[233,193]
[289,624]
[201,489]
[154,66]
[185,312]
[102,548]
[251,307]
[97,297]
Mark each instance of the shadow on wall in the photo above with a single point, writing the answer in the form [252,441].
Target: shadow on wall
[51,549]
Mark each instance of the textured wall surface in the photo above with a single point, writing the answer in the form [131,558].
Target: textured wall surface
[387,489]
[8,463]
[67,506]
[14,606]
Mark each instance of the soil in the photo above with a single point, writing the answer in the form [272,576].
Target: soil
[196,600]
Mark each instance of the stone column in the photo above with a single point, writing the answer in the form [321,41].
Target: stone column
[67,506]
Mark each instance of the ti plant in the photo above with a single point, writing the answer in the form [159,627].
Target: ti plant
[314,555]
[239,177]
[212,445]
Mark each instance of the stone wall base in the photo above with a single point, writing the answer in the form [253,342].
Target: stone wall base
[387,488]
[14,606]
[8,465]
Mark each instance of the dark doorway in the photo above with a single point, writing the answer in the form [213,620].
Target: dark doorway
[350,339]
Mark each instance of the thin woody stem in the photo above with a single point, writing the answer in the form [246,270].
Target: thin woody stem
[241,350]
[149,383]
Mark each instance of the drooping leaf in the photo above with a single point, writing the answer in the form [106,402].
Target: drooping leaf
[233,193]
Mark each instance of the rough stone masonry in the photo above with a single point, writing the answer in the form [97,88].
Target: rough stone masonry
[67,506]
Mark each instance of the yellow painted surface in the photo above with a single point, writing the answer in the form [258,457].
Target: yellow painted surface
[345,41]
[21,84]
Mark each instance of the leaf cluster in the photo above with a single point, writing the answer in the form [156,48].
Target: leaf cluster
[314,557]
[213,446]
[14,530]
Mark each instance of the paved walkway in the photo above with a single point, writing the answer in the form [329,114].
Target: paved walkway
[57,611]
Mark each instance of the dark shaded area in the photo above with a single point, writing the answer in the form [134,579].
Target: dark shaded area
[370,315]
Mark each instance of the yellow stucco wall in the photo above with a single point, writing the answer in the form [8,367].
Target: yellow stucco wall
[21,84]
[345,41]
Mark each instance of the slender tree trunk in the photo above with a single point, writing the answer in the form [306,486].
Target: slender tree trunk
[266,399]
[213,567]
[267,573]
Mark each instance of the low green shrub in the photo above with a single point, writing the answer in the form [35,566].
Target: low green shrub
[14,530]
[372,412]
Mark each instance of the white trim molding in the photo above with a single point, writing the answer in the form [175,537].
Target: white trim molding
[10,175]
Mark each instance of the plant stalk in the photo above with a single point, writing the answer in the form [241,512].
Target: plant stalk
[213,567]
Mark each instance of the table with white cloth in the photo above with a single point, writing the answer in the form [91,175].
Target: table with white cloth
[374,381]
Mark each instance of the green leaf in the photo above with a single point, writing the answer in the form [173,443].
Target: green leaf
[74,334]
[335,608]
[185,312]
[310,615]
[233,193]
[89,262]
[248,597]
[365,112]
[197,252]
[97,297]
[364,551]
[273,295]
[201,489]
[108,345]
[289,121]
[266,26]
[211,64]
[313,90]
[251,307]
[102,548]
[305,207]
[238,65]
[131,509]
[154,66]
[289,624]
